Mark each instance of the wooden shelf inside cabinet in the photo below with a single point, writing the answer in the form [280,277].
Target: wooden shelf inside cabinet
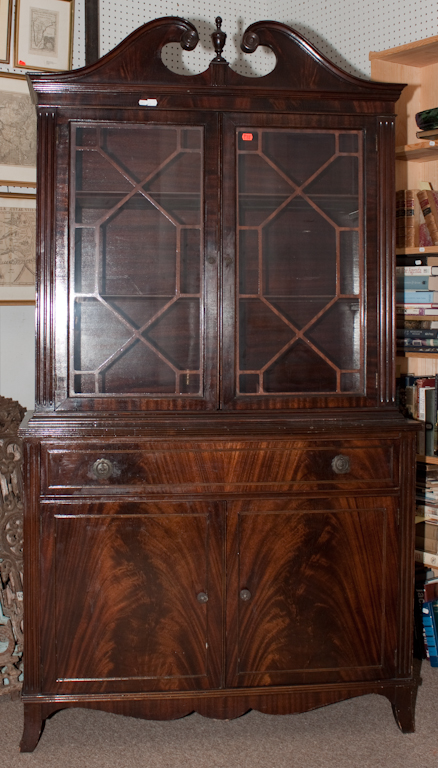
[428,459]
[431,355]
[420,317]
[415,64]
[422,152]
[420,53]
[417,250]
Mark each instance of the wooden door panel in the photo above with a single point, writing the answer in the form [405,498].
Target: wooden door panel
[125,586]
[317,603]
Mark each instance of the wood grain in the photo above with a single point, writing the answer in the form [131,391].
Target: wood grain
[215,524]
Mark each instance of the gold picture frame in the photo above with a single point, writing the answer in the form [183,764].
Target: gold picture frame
[17,248]
[17,132]
[5,30]
[44,34]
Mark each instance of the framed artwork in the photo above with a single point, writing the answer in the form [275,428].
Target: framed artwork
[44,34]
[5,30]
[17,248]
[17,132]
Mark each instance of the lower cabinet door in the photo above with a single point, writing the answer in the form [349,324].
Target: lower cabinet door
[312,590]
[132,596]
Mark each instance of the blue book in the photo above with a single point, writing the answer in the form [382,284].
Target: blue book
[417,297]
[430,617]
[412,282]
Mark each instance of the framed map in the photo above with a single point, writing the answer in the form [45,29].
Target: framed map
[5,30]
[44,34]
[17,249]
[17,132]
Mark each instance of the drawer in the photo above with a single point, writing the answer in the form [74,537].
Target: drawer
[221,466]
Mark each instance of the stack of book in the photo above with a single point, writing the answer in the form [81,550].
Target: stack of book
[430,625]
[416,217]
[426,596]
[414,223]
[417,294]
[426,519]
[418,399]
[411,228]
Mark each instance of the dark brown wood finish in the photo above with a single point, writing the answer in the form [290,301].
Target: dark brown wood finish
[219,487]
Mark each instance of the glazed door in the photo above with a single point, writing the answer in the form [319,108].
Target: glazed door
[312,590]
[143,264]
[296,201]
[132,596]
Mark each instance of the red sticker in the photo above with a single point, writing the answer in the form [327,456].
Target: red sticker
[247,137]
[21,63]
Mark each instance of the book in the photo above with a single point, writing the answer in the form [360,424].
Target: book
[427,512]
[420,644]
[432,133]
[425,197]
[430,618]
[430,587]
[426,536]
[416,297]
[417,323]
[413,270]
[432,196]
[419,344]
[408,282]
[403,236]
[417,333]
[417,309]
[413,282]
[427,558]
[423,350]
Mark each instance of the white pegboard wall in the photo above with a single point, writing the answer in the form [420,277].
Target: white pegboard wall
[347,30]
[118,20]
[344,30]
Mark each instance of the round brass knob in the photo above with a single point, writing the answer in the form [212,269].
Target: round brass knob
[102,469]
[341,464]
[202,597]
[245,594]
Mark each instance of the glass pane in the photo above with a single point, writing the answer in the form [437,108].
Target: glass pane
[300,253]
[138,246]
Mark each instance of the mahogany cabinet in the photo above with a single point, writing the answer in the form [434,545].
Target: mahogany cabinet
[219,506]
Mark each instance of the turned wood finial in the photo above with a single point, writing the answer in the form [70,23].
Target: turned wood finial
[218,38]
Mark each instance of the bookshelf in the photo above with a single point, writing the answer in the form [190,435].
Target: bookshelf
[415,64]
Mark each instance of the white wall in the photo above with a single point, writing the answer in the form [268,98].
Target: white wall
[344,30]
[347,30]
[17,354]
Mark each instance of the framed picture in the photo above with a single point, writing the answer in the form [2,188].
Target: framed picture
[44,34]
[5,30]
[17,132]
[17,248]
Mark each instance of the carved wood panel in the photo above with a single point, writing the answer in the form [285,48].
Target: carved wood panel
[11,549]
